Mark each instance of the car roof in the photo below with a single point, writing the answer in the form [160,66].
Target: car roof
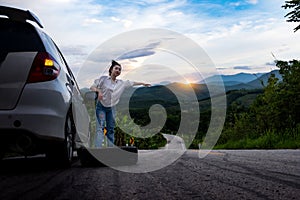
[19,15]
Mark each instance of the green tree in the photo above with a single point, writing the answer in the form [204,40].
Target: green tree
[265,107]
[290,90]
[294,15]
[277,109]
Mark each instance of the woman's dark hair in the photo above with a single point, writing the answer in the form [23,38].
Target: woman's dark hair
[113,63]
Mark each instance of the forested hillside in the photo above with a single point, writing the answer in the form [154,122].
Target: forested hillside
[273,119]
[265,117]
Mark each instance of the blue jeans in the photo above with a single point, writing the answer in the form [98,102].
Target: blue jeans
[106,116]
[99,137]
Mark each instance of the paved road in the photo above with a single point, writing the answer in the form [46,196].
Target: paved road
[252,174]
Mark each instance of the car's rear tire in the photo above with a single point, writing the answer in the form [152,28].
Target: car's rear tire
[62,154]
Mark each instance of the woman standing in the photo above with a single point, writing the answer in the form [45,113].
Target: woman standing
[109,90]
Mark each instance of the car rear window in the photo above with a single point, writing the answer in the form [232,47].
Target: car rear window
[18,37]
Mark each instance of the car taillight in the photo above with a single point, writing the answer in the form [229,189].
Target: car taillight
[44,68]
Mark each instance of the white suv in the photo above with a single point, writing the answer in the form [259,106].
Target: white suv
[41,108]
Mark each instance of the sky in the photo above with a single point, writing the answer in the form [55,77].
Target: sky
[233,35]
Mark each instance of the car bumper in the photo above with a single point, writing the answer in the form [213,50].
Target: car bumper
[40,111]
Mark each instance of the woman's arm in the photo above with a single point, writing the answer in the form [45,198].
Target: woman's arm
[141,83]
[96,89]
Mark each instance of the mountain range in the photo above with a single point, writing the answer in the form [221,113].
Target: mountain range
[202,90]
[242,80]
[169,92]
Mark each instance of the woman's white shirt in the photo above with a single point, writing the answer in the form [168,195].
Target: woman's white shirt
[111,90]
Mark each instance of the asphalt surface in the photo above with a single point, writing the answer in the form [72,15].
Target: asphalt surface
[251,174]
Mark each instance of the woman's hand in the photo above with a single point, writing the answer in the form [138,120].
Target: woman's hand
[141,83]
[98,91]
[100,96]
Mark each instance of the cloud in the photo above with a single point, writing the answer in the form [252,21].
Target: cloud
[126,23]
[271,63]
[242,67]
[136,54]
[233,33]
[92,21]
[221,68]
[148,50]
[244,3]
[236,3]
[75,50]
[153,45]
[252,2]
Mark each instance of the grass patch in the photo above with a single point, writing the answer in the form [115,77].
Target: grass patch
[270,140]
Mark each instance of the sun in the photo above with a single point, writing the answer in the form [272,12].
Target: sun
[188,81]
